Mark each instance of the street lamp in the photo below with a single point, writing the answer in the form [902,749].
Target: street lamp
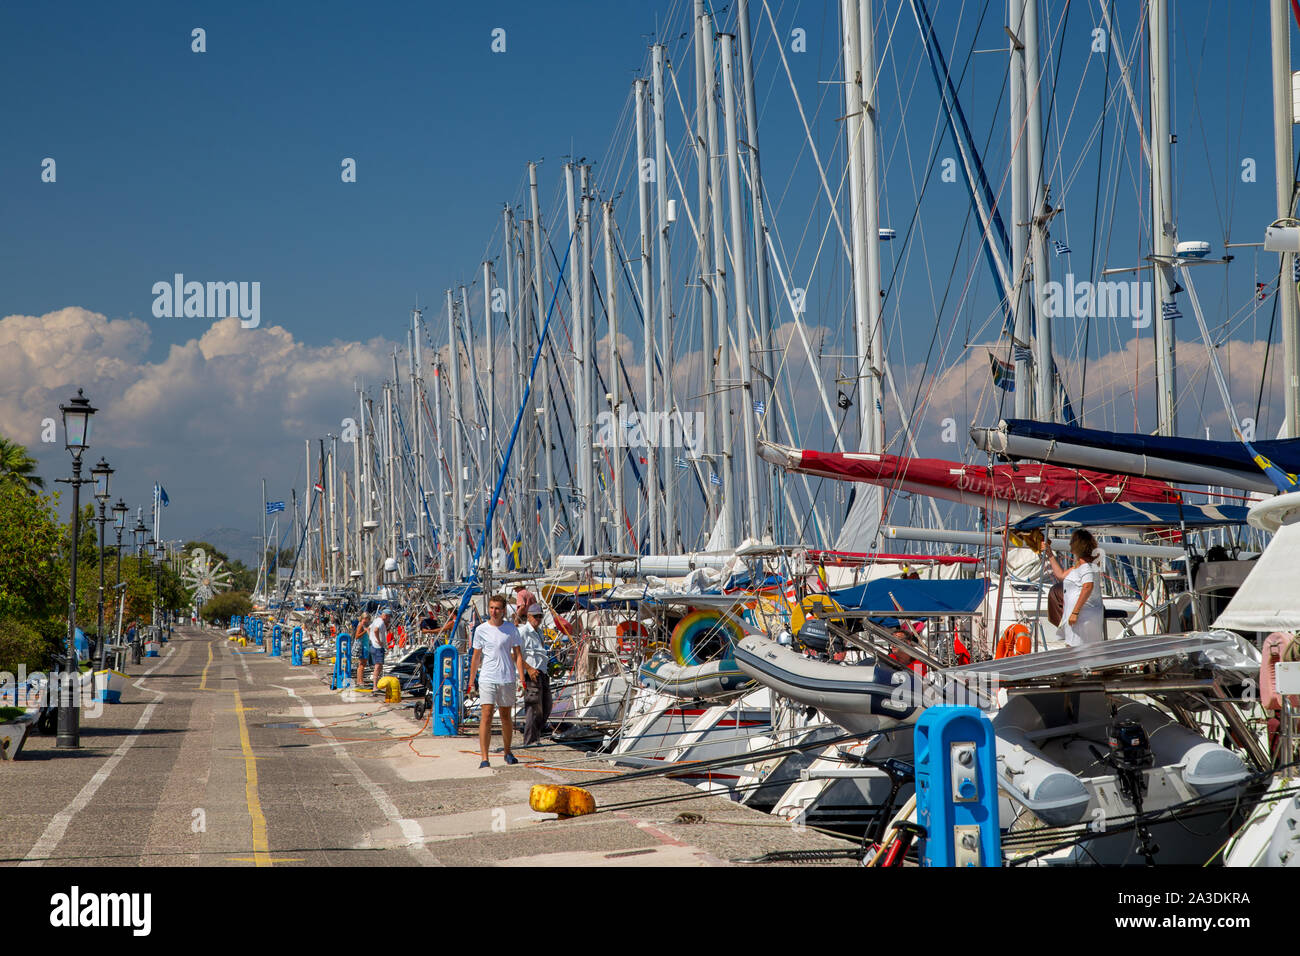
[102,472]
[119,525]
[77,415]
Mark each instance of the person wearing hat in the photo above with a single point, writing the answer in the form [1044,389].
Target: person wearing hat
[524,599]
[537,681]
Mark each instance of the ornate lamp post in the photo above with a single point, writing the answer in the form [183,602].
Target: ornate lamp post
[119,525]
[138,533]
[77,416]
[101,473]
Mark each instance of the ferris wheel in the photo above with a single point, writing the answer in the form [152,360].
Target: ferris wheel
[204,578]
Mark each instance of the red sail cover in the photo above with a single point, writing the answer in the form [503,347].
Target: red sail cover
[1028,486]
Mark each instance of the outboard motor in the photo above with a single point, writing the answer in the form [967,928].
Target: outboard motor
[1130,754]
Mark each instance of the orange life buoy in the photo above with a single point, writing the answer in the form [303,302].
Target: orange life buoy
[1017,639]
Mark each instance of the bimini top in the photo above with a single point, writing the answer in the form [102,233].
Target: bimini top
[907,597]
[1136,514]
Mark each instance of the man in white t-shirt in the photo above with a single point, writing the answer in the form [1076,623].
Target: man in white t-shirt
[497,661]
[378,645]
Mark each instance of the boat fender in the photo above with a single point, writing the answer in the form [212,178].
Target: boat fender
[563,801]
[1275,649]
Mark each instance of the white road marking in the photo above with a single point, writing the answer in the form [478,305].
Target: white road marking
[410,829]
[58,826]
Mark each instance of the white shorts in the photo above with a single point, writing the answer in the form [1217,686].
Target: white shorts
[496,695]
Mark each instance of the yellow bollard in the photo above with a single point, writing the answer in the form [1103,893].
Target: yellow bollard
[243,642]
[561,800]
[392,689]
[309,656]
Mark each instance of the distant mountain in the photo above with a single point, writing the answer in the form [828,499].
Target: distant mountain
[243,545]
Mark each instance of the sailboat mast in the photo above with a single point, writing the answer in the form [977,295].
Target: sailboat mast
[1163,231]
[1045,380]
[729,510]
[548,460]
[671,538]
[454,413]
[1021,309]
[586,365]
[647,313]
[705,225]
[1284,156]
[619,539]
[742,293]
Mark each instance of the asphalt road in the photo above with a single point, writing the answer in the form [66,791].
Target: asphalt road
[224,756]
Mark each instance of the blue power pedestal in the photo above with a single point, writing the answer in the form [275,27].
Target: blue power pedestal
[342,676]
[258,628]
[275,640]
[957,788]
[295,648]
[446,691]
[234,620]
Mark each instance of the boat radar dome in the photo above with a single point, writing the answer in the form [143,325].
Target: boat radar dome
[1192,249]
[390,564]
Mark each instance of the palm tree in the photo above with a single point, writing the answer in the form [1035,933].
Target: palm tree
[17,467]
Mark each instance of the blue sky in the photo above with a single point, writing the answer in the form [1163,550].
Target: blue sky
[225,165]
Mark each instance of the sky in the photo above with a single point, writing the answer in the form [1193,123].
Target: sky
[228,164]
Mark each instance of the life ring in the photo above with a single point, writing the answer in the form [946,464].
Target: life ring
[628,634]
[1017,639]
[695,629]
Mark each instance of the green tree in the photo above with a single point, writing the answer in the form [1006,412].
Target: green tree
[33,579]
[221,607]
[18,468]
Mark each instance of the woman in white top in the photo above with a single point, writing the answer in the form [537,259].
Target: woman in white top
[1084,620]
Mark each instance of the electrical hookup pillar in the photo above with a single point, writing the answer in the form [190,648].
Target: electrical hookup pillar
[295,648]
[342,661]
[957,788]
[275,640]
[446,692]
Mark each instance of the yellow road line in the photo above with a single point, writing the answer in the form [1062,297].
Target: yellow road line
[261,847]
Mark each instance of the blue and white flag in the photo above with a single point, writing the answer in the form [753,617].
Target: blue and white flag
[160,495]
[680,462]
[760,408]
[1061,248]
[1169,310]
[273,506]
[714,479]
[1022,354]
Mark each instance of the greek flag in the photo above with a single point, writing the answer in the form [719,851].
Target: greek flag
[1169,310]
[714,479]
[1061,248]
[760,408]
[273,506]
[1295,268]
[1023,354]
[680,462]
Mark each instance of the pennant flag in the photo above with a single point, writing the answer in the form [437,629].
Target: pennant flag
[714,479]
[843,401]
[1004,373]
[760,408]
[273,506]
[1061,248]
[1169,310]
